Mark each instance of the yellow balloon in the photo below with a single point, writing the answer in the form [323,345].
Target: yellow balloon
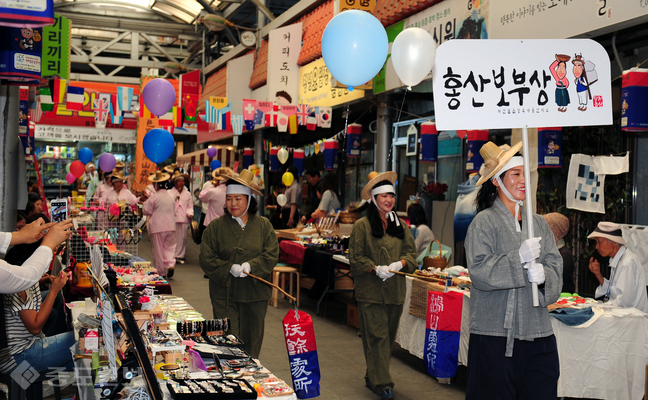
[80,199]
[287,179]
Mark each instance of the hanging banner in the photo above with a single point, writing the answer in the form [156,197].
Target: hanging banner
[324,115]
[315,87]
[249,109]
[549,147]
[56,49]
[475,140]
[283,72]
[298,160]
[500,84]
[190,95]
[286,112]
[248,157]
[302,354]
[442,333]
[330,147]
[20,53]
[143,166]
[23,113]
[275,165]
[90,134]
[634,104]
[27,13]
[101,110]
[429,142]
[354,140]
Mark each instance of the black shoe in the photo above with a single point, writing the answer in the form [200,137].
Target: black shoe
[170,272]
[387,394]
[205,276]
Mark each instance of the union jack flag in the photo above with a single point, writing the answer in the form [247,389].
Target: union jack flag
[101,110]
[302,113]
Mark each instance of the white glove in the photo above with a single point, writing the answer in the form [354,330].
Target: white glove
[236,270]
[395,266]
[535,272]
[530,250]
[383,272]
[245,267]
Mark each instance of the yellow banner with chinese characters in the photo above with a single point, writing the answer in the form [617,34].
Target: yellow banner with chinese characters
[218,102]
[143,166]
[315,87]
[362,5]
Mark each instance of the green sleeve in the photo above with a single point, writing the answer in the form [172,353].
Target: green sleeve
[214,267]
[408,252]
[263,264]
[359,263]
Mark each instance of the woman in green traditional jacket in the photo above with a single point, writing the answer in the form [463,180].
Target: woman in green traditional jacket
[238,243]
[380,244]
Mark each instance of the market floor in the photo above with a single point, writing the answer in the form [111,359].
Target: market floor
[340,352]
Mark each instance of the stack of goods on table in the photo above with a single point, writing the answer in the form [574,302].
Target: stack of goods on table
[141,273]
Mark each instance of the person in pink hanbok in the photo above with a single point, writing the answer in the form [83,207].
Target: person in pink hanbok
[160,208]
[215,195]
[183,213]
[102,189]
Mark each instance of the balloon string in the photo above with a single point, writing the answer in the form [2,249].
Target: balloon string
[389,158]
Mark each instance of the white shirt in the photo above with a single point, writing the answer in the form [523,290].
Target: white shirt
[205,204]
[628,287]
[13,278]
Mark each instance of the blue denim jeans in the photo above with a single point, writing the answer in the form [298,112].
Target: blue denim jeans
[49,352]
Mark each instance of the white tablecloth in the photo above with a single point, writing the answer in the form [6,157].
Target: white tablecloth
[604,361]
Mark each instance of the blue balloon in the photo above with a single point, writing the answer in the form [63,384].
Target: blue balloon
[158,145]
[215,164]
[85,155]
[354,47]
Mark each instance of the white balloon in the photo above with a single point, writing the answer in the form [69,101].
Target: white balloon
[281,199]
[412,55]
[282,155]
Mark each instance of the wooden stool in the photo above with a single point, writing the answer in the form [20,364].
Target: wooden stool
[284,269]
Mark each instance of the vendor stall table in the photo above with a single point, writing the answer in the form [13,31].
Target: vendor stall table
[606,360]
[160,288]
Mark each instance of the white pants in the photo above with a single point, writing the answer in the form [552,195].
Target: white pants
[582,98]
[181,239]
[163,246]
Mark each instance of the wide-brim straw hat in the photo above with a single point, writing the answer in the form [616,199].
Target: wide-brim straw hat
[375,178]
[119,165]
[159,176]
[88,165]
[245,178]
[610,231]
[170,168]
[222,173]
[495,158]
[117,175]
[177,175]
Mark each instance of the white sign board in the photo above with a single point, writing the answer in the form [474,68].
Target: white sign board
[556,19]
[284,47]
[239,71]
[85,134]
[499,84]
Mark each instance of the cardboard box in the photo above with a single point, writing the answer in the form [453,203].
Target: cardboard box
[352,315]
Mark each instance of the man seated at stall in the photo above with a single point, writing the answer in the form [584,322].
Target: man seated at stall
[627,284]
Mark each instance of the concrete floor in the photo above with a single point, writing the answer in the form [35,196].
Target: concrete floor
[340,352]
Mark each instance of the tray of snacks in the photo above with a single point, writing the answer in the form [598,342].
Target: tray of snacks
[274,387]
[207,389]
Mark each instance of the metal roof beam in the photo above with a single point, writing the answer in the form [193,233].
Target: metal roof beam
[157,46]
[107,79]
[127,62]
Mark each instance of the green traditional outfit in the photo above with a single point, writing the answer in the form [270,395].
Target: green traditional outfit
[243,300]
[380,303]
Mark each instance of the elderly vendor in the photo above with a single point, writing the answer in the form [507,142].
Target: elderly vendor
[627,284]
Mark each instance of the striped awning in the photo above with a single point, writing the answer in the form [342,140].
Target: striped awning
[200,158]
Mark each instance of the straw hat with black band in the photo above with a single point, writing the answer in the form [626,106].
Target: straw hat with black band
[158,176]
[119,165]
[170,168]
[177,175]
[610,231]
[496,161]
[243,183]
[222,173]
[117,176]
[369,192]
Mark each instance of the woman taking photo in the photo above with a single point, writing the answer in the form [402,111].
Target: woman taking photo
[512,349]
[238,243]
[380,244]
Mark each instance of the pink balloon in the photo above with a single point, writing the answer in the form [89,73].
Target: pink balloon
[70,178]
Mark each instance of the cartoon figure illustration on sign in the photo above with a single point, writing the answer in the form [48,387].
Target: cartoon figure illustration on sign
[585,76]
[552,147]
[283,98]
[27,42]
[559,71]
[624,107]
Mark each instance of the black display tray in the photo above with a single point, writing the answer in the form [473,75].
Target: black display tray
[237,394]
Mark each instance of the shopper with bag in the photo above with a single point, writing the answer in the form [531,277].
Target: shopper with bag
[380,243]
[512,350]
[238,243]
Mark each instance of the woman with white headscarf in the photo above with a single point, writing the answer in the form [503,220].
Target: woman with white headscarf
[238,243]
[512,349]
[379,243]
